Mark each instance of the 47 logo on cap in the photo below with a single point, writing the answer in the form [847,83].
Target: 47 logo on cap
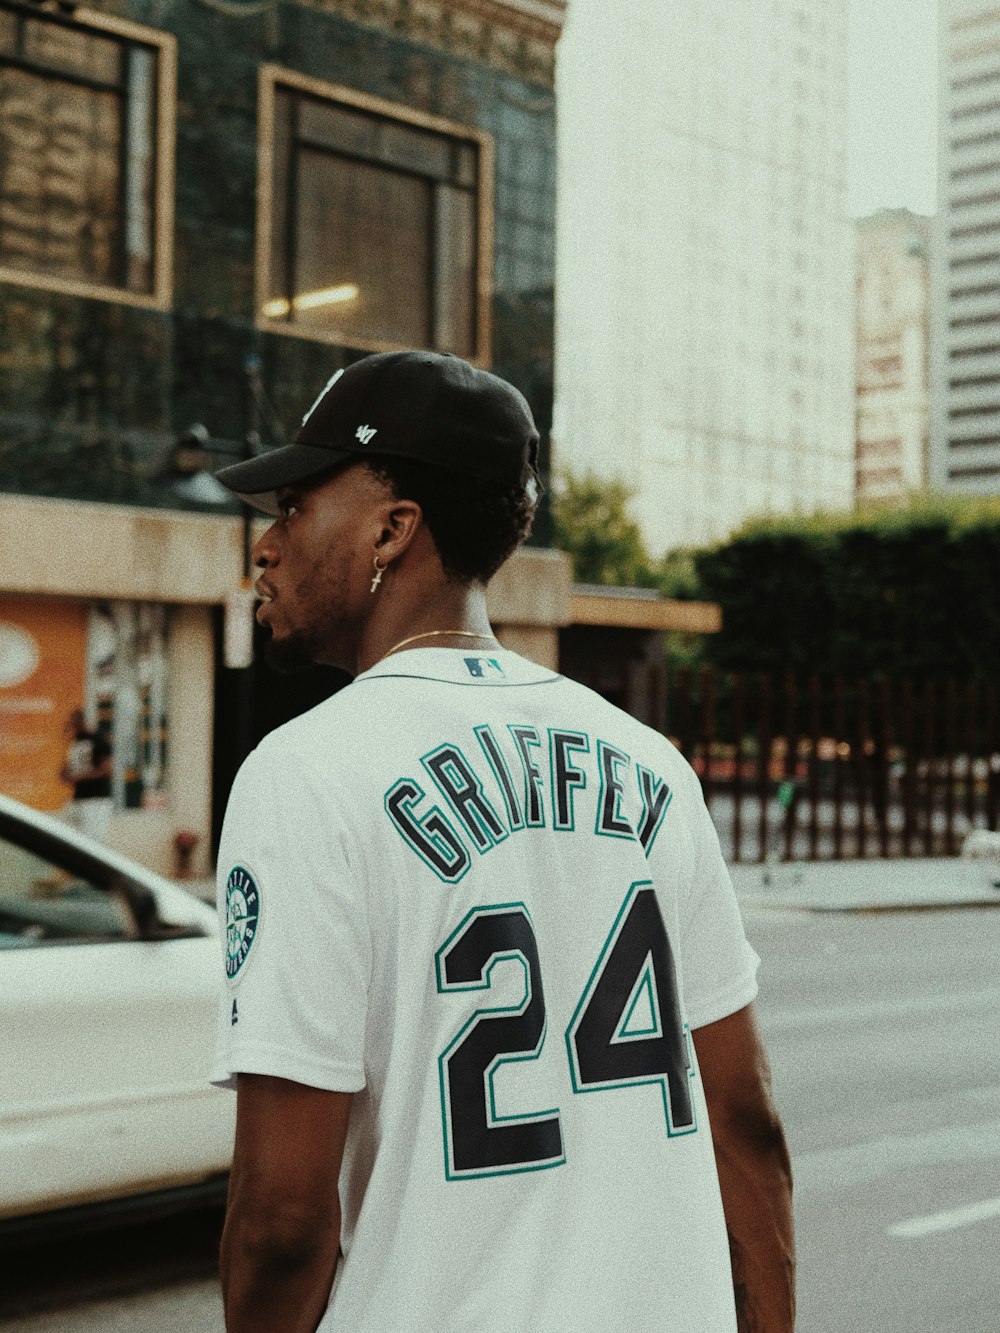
[242,919]
[365,433]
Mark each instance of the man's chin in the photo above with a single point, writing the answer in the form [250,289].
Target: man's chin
[288,655]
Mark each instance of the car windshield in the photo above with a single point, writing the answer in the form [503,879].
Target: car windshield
[43,903]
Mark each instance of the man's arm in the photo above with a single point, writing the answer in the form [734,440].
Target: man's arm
[282,1235]
[755,1173]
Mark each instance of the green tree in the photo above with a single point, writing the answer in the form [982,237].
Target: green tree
[592,524]
[677,575]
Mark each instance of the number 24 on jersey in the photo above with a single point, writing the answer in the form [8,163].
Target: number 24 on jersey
[607,1047]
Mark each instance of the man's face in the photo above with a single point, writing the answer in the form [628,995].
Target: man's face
[316,566]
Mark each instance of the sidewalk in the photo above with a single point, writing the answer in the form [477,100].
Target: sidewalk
[903,885]
[911,884]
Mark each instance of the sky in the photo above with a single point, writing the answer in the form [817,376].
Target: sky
[892,97]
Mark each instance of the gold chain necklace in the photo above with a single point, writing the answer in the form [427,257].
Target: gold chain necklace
[433,634]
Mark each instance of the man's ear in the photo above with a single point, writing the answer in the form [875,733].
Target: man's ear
[401,521]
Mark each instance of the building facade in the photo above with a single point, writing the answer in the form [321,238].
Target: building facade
[704,324]
[892,401]
[205,209]
[965,328]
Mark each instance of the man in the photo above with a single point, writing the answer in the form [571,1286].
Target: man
[88,771]
[486,975]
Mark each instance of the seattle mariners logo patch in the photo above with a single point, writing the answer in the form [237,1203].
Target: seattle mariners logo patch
[242,919]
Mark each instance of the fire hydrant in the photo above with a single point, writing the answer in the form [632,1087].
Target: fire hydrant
[185,841]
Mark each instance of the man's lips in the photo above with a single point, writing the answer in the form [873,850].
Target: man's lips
[266,595]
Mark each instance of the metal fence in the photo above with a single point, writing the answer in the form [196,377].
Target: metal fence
[830,768]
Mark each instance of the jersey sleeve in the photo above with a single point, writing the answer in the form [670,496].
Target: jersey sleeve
[296,945]
[718,964]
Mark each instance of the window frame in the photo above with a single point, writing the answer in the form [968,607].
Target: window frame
[270,78]
[162,209]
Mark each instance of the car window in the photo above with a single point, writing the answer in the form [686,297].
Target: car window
[41,904]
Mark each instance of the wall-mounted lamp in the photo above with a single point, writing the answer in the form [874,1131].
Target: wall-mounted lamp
[191,479]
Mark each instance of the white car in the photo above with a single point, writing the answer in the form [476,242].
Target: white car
[109,979]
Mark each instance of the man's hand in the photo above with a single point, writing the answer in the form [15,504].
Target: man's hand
[282,1235]
[754,1171]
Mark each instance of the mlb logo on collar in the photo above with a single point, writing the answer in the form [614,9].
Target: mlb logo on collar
[481,668]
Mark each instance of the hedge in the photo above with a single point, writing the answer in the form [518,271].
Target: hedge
[913,591]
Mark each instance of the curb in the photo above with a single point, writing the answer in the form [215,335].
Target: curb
[917,884]
[870,909]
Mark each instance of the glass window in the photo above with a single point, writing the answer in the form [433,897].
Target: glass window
[70,51]
[455,225]
[362,246]
[374,227]
[43,903]
[77,153]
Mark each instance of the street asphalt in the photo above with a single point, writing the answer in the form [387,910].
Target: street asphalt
[881,1025]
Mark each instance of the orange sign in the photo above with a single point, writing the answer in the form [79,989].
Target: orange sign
[43,648]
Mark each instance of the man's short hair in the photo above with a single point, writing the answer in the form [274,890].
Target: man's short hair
[476,525]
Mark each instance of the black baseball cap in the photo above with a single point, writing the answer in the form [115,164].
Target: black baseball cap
[433,408]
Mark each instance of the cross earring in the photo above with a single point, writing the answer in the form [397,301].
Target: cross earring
[379,571]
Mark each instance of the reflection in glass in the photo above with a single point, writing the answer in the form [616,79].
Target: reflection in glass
[139,167]
[72,52]
[455,278]
[77,158]
[369,228]
[60,177]
[374,228]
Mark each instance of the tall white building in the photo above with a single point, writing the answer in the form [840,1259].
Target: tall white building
[704,318]
[965,283]
[892,337]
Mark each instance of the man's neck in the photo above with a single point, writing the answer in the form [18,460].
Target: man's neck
[454,620]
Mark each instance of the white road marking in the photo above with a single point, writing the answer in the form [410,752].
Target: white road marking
[949,1220]
[879,1159]
[783,1020]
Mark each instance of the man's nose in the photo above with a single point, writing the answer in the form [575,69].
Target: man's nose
[264,551]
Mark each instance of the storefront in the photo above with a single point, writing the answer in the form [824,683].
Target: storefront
[109,610]
[75,676]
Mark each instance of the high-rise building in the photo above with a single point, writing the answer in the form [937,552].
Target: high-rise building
[704,323]
[965,305]
[892,403]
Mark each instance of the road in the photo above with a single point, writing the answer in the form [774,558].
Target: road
[883,1038]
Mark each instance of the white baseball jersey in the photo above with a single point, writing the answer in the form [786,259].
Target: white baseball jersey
[493,907]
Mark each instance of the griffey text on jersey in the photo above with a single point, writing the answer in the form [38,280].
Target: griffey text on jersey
[508,780]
